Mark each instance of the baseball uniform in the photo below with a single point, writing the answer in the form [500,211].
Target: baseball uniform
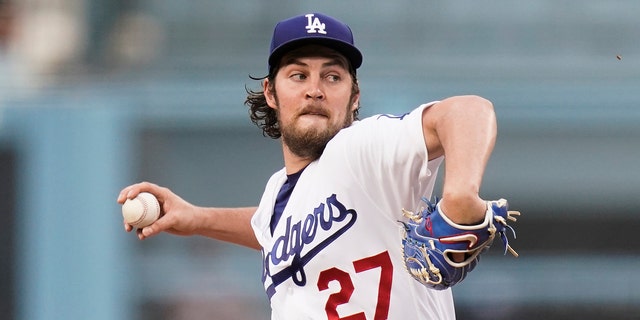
[335,250]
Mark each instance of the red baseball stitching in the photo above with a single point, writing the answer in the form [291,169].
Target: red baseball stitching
[144,212]
[145,204]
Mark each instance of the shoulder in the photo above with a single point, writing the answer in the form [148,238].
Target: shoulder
[411,114]
[382,140]
[383,126]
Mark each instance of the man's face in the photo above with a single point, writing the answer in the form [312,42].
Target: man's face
[313,99]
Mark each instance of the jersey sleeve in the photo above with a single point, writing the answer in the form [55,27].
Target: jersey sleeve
[387,155]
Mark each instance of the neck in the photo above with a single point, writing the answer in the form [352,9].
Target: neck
[292,162]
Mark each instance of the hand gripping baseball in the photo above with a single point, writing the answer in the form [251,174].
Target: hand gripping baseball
[430,239]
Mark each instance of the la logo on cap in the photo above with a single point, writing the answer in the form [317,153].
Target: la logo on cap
[312,28]
[314,25]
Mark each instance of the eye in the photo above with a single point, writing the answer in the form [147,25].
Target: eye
[333,77]
[298,76]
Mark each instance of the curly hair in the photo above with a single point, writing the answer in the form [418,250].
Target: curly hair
[266,117]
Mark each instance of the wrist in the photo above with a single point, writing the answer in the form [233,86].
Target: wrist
[463,209]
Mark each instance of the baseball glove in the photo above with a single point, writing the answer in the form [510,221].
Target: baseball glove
[430,239]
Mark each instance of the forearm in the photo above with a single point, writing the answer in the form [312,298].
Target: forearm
[466,130]
[229,224]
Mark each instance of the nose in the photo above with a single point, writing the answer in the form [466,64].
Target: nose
[315,91]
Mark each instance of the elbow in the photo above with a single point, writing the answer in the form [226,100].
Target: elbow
[475,108]
[470,108]
[483,105]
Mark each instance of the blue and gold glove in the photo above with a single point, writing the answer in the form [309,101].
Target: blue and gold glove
[430,239]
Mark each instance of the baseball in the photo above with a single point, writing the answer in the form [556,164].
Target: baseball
[141,211]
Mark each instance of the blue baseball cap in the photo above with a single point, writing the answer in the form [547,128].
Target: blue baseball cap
[313,28]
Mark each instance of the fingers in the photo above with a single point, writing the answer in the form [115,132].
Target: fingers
[133,190]
[140,234]
[172,211]
[129,192]
[143,233]
[153,229]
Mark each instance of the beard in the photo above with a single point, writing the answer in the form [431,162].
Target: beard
[310,143]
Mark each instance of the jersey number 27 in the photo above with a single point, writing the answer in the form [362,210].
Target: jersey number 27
[381,260]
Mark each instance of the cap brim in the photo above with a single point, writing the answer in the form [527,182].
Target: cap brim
[349,51]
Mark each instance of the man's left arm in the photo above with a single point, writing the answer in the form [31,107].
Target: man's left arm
[463,129]
[443,241]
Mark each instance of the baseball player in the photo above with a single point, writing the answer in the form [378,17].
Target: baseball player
[345,229]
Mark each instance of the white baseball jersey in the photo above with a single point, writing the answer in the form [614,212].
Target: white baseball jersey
[336,251]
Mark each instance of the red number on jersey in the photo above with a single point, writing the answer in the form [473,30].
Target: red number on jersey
[343,296]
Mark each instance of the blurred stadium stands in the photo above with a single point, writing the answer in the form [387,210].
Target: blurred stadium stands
[98,94]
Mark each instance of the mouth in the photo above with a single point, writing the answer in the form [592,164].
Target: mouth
[314,114]
[312,111]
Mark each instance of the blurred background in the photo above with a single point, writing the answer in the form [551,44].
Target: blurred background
[99,94]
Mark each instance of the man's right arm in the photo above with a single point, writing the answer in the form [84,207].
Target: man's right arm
[180,217]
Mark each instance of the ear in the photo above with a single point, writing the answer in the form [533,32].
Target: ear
[269,95]
[356,102]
